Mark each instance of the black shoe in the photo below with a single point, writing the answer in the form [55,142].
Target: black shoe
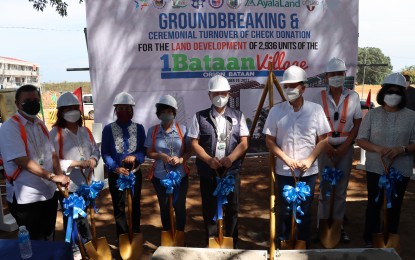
[345,237]
[315,238]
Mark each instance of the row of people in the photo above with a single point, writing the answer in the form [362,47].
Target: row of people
[297,132]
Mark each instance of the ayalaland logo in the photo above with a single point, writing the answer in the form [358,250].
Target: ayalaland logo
[311,4]
[179,3]
[274,3]
[159,4]
[234,4]
[216,3]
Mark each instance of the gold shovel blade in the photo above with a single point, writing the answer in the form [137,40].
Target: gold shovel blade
[167,238]
[102,250]
[227,243]
[131,250]
[330,235]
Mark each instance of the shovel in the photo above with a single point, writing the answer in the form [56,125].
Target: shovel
[293,243]
[220,241]
[386,239]
[97,248]
[330,229]
[131,244]
[172,237]
[65,194]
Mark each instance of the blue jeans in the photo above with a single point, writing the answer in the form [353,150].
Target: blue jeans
[179,205]
[284,213]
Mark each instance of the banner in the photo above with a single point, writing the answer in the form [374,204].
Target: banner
[154,47]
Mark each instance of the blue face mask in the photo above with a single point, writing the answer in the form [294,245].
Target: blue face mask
[166,118]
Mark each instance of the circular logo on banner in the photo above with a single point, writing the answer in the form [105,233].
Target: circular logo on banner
[234,4]
[159,4]
[216,3]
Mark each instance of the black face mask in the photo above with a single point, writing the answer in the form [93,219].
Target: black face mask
[31,107]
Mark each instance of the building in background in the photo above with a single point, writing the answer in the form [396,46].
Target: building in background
[15,73]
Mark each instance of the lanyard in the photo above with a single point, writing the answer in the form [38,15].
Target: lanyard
[36,146]
[171,146]
[222,137]
[77,141]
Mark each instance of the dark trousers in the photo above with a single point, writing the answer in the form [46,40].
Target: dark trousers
[285,214]
[209,207]
[81,223]
[119,203]
[38,217]
[179,205]
[374,209]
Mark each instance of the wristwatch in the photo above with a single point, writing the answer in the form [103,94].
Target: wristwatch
[51,176]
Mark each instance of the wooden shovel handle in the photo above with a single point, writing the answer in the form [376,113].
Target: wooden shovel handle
[130,213]
[64,192]
[172,219]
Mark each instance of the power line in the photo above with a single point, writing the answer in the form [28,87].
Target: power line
[38,28]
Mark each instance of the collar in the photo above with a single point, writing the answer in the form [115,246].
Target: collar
[124,125]
[25,121]
[216,113]
[345,91]
[173,128]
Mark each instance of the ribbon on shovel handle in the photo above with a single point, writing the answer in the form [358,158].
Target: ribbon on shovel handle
[73,208]
[172,183]
[332,176]
[295,196]
[90,192]
[388,181]
[224,186]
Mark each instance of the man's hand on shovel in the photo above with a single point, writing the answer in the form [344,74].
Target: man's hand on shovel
[122,170]
[214,163]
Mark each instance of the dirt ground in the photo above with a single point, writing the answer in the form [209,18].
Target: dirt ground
[253,216]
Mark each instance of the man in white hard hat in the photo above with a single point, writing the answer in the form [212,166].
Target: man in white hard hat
[31,167]
[122,149]
[342,109]
[296,133]
[219,137]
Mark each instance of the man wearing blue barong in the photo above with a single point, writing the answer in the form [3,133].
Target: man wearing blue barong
[219,138]
[296,133]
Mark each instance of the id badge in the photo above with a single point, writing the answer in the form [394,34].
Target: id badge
[40,162]
[221,146]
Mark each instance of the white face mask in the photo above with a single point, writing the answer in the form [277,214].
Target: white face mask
[337,81]
[72,116]
[220,101]
[292,93]
[392,100]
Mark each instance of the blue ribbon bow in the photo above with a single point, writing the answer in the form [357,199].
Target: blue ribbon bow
[294,196]
[332,176]
[73,208]
[172,183]
[126,182]
[224,186]
[91,192]
[388,182]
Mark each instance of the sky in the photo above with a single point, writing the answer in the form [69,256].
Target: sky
[56,43]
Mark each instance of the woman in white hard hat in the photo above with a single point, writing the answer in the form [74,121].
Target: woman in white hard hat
[292,129]
[168,145]
[122,149]
[76,148]
[387,133]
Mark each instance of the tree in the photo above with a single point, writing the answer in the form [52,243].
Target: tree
[409,70]
[373,75]
[60,6]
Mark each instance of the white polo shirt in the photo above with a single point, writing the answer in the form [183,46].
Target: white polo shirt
[353,112]
[76,147]
[221,122]
[296,132]
[28,188]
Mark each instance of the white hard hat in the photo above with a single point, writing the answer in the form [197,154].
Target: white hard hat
[67,99]
[294,74]
[394,79]
[167,100]
[123,98]
[218,83]
[335,64]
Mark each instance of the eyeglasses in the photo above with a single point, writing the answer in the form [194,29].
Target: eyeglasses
[336,116]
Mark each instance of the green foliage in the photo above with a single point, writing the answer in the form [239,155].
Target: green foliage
[409,70]
[60,6]
[67,86]
[373,75]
